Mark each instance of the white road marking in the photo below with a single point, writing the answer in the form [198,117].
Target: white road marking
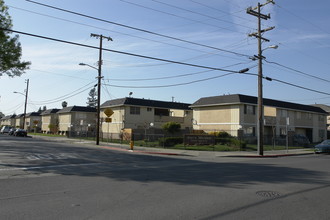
[45,167]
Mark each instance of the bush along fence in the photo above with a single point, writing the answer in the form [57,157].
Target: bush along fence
[212,139]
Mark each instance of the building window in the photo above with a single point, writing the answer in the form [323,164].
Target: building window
[250,131]
[134,110]
[149,109]
[162,112]
[321,117]
[283,131]
[284,113]
[309,115]
[298,115]
[249,109]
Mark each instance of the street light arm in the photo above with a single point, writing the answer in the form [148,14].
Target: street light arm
[19,93]
[84,64]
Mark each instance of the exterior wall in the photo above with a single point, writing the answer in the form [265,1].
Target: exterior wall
[8,121]
[47,120]
[29,123]
[216,118]
[118,120]
[64,122]
[230,118]
[123,119]
[18,122]
[77,121]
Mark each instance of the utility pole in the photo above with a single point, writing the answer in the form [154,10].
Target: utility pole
[101,37]
[258,34]
[25,104]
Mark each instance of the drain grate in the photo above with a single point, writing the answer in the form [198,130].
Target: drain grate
[268,194]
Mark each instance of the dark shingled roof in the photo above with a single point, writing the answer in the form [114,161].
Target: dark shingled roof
[50,111]
[9,117]
[238,98]
[32,114]
[146,103]
[76,109]
[19,115]
[324,107]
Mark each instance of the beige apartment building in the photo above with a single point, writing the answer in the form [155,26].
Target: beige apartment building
[141,115]
[33,122]
[8,120]
[239,112]
[19,121]
[77,119]
[326,108]
[49,120]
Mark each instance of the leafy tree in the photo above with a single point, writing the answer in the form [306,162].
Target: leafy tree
[10,47]
[172,127]
[92,99]
[1,115]
[64,104]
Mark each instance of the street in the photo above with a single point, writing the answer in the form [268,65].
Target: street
[40,179]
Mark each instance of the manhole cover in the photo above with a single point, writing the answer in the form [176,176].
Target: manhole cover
[268,194]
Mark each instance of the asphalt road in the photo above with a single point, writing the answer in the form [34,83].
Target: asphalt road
[49,180]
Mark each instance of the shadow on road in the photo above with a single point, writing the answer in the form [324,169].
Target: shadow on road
[146,168]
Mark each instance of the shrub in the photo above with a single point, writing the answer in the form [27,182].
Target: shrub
[170,141]
[172,127]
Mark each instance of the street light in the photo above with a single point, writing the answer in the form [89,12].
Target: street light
[26,95]
[271,47]
[98,100]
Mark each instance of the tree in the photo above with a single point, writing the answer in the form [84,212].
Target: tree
[64,104]
[92,99]
[10,47]
[172,127]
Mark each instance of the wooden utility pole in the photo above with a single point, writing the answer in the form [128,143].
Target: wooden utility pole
[101,37]
[25,104]
[258,34]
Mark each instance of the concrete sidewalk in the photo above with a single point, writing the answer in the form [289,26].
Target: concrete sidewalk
[176,152]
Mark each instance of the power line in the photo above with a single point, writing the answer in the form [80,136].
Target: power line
[176,76]
[119,52]
[160,78]
[159,59]
[117,32]
[301,87]
[298,71]
[198,13]
[178,16]
[138,29]
[303,19]
[171,85]
[69,95]
[287,83]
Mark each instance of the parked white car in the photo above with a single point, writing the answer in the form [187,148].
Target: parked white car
[5,129]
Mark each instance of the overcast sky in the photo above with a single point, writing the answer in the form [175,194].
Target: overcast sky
[205,33]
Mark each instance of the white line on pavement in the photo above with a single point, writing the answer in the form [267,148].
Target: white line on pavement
[45,167]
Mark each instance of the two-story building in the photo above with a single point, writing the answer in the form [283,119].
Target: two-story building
[49,120]
[8,120]
[33,122]
[326,108]
[141,114]
[77,119]
[19,121]
[239,112]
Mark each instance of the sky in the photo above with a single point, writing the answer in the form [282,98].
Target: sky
[208,40]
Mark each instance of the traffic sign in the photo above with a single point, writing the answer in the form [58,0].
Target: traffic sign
[108,112]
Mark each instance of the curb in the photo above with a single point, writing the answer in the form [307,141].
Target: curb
[271,156]
[142,152]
